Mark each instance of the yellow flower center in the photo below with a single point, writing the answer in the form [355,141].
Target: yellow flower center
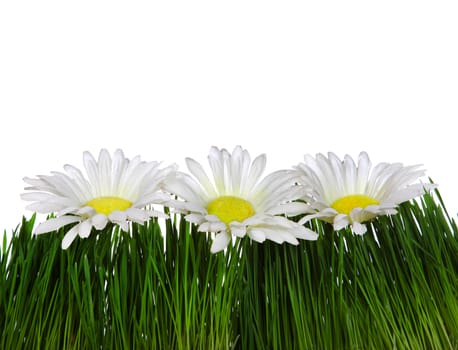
[346,204]
[230,208]
[106,205]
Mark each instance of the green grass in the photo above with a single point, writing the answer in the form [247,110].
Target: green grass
[396,287]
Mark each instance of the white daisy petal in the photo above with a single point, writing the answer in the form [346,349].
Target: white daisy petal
[184,207]
[194,218]
[44,207]
[327,214]
[137,215]
[259,219]
[236,162]
[358,228]
[307,218]
[55,224]
[185,187]
[85,211]
[364,166]
[216,161]
[220,242]
[68,210]
[341,221]
[130,175]
[279,236]
[389,211]
[36,183]
[99,221]
[289,209]
[198,172]
[212,227]
[118,216]
[238,229]
[85,229]
[155,197]
[92,171]
[77,176]
[245,167]
[256,234]
[409,193]
[36,196]
[195,207]
[212,218]
[279,230]
[306,233]
[63,186]
[124,225]
[104,170]
[70,237]
[361,214]
[256,171]
[118,165]
[290,228]
[350,174]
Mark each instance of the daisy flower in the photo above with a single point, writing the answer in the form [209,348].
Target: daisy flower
[238,202]
[343,193]
[118,190]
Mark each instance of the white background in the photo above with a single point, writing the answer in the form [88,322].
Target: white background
[282,78]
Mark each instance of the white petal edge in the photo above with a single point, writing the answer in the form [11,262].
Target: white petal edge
[55,224]
[220,242]
[85,229]
[70,237]
[99,221]
[358,228]
[238,229]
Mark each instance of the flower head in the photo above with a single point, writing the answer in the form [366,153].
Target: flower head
[344,193]
[118,190]
[238,202]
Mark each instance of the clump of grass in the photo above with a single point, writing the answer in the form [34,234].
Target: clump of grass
[394,287]
[158,286]
[117,290]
